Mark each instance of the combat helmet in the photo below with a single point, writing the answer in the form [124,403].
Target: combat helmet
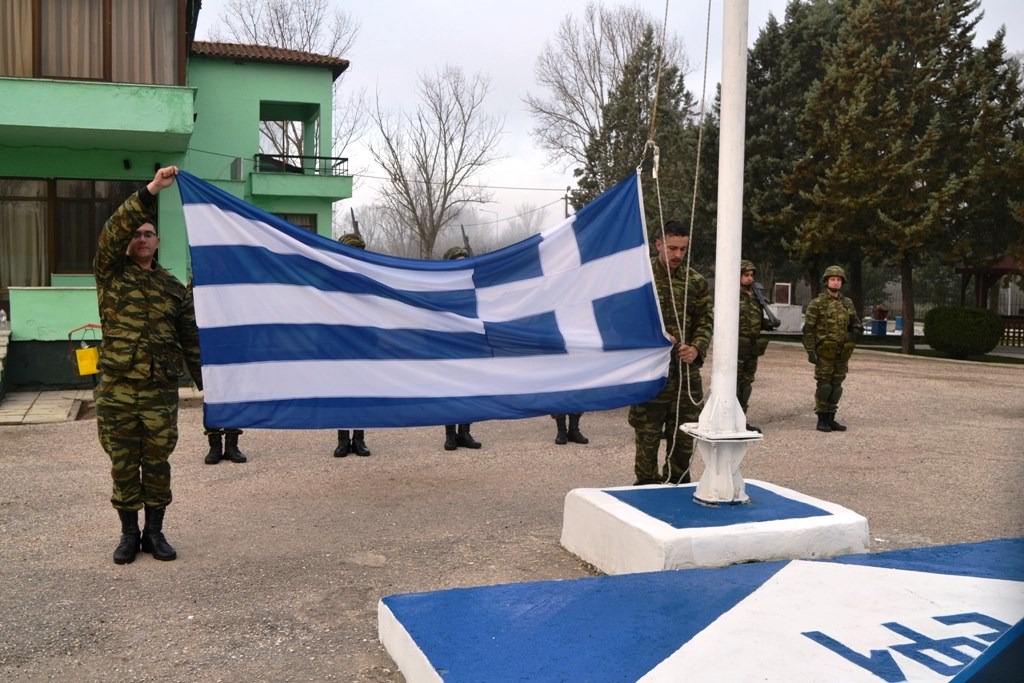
[746,265]
[456,252]
[353,239]
[834,271]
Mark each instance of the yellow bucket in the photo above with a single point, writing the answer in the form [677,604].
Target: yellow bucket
[88,358]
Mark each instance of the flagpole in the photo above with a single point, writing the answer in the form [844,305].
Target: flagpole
[721,436]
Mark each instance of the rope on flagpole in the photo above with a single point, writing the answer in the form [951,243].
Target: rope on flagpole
[650,144]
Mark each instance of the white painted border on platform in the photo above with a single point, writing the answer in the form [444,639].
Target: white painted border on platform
[411,660]
[617,538]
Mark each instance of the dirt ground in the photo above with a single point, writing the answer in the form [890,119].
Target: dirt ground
[282,560]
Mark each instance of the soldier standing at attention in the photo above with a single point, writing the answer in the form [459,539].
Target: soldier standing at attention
[458,435]
[357,443]
[149,329]
[563,434]
[687,312]
[751,344]
[831,331]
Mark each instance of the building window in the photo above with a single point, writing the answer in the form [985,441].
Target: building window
[80,208]
[52,226]
[306,221]
[125,41]
[23,234]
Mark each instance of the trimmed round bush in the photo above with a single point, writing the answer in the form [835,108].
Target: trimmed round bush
[962,332]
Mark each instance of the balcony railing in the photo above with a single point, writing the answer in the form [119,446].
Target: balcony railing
[302,165]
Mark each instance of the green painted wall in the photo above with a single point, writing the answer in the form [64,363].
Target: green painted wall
[148,126]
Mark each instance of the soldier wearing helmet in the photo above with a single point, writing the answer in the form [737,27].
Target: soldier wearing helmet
[458,435]
[751,344]
[356,443]
[831,330]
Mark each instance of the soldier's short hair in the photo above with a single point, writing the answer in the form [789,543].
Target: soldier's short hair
[676,228]
[353,239]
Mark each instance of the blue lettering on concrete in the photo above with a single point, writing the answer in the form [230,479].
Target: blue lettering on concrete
[879,662]
[882,664]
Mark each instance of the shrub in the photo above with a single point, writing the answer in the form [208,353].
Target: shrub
[962,332]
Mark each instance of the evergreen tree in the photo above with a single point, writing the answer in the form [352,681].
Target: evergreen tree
[894,139]
[784,62]
[621,145]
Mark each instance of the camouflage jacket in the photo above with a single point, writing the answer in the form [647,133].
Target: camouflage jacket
[698,315]
[750,317]
[830,319]
[149,323]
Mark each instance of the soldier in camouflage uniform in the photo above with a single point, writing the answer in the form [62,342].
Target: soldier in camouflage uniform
[751,344]
[458,435]
[831,330]
[687,312]
[357,442]
[149,330]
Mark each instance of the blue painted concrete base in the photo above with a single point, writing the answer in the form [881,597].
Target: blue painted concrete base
[913,615]
[651,528]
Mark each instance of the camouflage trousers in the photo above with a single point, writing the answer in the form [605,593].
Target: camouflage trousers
[746,368]
[659,418]
[828,376]
[137,422]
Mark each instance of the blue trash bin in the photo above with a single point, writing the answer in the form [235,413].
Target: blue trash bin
[878,327]
[899,323]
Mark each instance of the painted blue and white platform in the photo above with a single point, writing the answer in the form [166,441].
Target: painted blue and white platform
[927,614]
[651,528]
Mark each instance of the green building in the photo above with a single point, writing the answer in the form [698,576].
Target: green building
[84,122]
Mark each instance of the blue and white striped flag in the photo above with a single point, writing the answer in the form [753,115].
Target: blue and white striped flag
[300,332]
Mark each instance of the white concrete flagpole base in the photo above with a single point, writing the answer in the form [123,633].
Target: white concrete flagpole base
[622,530]
[722,453]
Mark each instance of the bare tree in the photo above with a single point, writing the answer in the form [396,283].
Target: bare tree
[577,69]
[432,156]
[311,26]
[383,231]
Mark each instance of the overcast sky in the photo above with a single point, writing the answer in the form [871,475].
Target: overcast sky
[400,39]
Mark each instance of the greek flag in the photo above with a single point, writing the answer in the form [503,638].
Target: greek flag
[300,332]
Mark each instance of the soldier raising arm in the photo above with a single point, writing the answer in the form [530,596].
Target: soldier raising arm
[149,331]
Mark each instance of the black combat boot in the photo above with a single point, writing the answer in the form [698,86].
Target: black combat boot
[451,438]
[128,547]
[753,428]
[574,430]
[216,450]
[231,451]
[823,423]
[344,445]
[153,540]
[562,436]
[359,443]
[466,439]
[836,427]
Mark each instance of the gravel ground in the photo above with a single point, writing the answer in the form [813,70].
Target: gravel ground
[282,560]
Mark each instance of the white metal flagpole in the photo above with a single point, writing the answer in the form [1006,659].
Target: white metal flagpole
[721,437]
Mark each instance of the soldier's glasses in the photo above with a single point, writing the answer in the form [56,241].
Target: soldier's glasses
[146,235]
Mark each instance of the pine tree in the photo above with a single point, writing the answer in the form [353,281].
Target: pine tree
[621,144]
[892,161]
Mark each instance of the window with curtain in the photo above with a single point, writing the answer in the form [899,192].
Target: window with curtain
[122,41]
[145,41]
[71,38]
[16,38]
[23,252]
